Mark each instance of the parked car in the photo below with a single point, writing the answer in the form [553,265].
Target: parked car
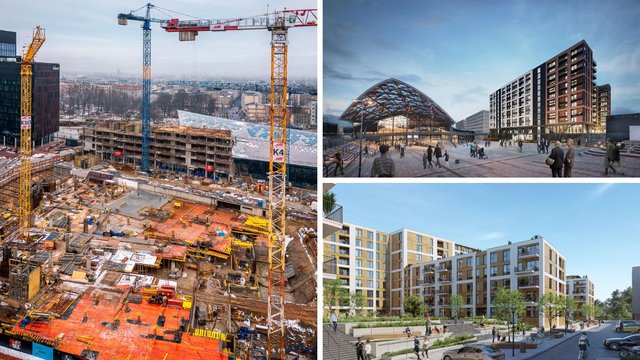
[616,343]
[474,352]
[629,326]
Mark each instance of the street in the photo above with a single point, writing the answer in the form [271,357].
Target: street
[569,349]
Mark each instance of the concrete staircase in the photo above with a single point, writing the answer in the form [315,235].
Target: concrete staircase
[461,328]
[337,345]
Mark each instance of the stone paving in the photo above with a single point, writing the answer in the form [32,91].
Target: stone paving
[501,162]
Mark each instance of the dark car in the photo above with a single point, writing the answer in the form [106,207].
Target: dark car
[474,352]
[615,343]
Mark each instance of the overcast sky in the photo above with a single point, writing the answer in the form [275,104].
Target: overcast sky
[84,37]
[587,223]
[460,51]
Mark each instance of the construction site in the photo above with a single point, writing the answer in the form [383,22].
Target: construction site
[105,260]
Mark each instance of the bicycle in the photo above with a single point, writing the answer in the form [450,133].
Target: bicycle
[582,355]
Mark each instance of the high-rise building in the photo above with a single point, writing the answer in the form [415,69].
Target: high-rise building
[603,97]
[581,289]
[45,94]
[635,292]
[557,97]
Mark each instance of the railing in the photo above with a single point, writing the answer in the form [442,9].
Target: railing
[528,252]
[527,268]
[335,214]
[329,353]
[330,265]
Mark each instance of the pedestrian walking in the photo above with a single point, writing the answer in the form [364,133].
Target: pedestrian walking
[367,350]
[446,158]
[334,321]
[339,164]
[557,155]
[424,160]
[360,349]
[430,156]
[493,334]
[416,347]
[425,348]
[402,150]
[519,145]
[444,328]
[438,154]
[608,157]
[615,158]
[427,327]
[568,159]
[546,145]
[383,166]
[579,141]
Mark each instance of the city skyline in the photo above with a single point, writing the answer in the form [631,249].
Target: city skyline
[88,40]
[459,52]
[466,215]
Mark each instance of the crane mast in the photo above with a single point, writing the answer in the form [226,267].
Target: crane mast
[277,188]
[26,149]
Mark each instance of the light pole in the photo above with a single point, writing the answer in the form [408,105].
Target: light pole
[513,331]
[365,102]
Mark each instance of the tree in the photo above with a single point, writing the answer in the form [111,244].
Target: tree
[547,306]
[356,302]
[587,311]
[334,293]
[570,307]
[328,202]
[618,306]
[507,303]
[456,302]
[413,305]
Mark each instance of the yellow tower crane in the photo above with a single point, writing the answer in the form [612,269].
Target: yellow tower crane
[26,74]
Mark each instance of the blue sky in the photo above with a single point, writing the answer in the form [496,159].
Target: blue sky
[593,225]
[84,37]
[459,51]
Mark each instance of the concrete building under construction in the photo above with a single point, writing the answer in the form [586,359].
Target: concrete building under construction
[176,148]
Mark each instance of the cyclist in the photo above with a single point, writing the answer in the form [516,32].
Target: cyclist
[583,342]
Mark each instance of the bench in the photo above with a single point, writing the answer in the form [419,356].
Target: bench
[391,336]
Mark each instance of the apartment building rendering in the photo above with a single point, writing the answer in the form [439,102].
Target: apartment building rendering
[555,98]
[581,289]
[388,267]
[603,96]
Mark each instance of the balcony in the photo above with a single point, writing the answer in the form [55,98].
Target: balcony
[528,270]
[429,270]
[332,219]
[528,253]
[528,285]
[329,267]
[444,280]
[444,269]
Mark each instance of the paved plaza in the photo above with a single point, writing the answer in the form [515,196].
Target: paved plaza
[501,162]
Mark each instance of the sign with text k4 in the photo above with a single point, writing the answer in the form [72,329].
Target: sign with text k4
[278,152]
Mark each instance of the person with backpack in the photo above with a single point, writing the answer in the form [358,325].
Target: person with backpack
[615,158]
[583,343]
[438,154]
[416,347]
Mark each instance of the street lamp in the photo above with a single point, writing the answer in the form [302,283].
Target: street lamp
[366,103]
[513,331]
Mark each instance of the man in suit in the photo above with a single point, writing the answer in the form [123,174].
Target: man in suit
[568,159]
[558,156]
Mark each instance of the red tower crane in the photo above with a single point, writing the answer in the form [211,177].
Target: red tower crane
[278,23]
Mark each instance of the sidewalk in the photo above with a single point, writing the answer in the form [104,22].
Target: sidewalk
[546,345]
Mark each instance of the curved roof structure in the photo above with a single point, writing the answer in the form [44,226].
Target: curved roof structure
[393,97]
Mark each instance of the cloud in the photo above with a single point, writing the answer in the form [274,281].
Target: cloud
[492,235]
[600,190]
[333,73]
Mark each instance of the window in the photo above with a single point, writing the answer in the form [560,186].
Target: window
[359,233]
[333,248]
[370,283]
[506,269]
[358,263]
[358,272]
[370,264]
[370,273]
[419,257]
[358,282]
[419,238]
[494,271]
[370,235]
[469,261]
[333,237]
[369,254]
[358,252]
[506,255]
[419,248]
[384,238]
[358,242]
[493,257]
[370,244]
